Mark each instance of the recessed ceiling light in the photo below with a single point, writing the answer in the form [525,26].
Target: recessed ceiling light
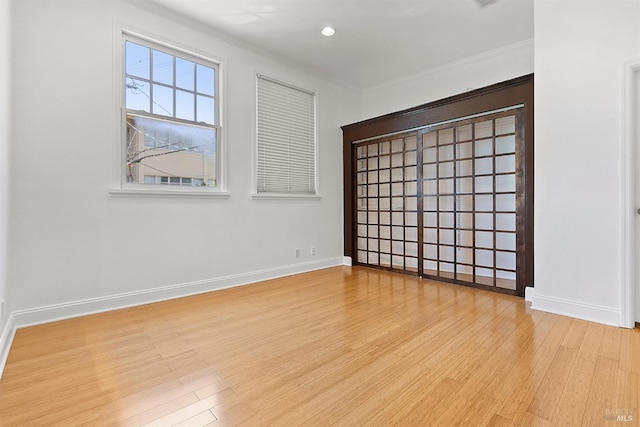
[328,31]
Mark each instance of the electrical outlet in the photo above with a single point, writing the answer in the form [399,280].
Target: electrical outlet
[313,251]
[297,253]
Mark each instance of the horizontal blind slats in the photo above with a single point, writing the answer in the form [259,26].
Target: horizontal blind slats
[286,139]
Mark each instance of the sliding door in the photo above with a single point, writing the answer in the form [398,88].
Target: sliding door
[445,189]
[471,170]
[445,201]
[387,202]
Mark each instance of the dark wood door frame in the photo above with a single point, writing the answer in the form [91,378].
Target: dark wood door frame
[518,91]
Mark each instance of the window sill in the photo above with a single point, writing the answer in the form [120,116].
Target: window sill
[284,196]
[134,192]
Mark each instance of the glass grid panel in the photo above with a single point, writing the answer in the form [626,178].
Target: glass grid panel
[471,238]
[387,203]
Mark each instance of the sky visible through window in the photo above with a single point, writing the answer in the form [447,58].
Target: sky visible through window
[154,78]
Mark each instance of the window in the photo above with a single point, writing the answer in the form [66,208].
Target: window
[172,117]
[286,142]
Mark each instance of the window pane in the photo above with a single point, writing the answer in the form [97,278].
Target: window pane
[484,147]
[206,110]
[137,95]
[149,139]
[505,164]
[162,68]
[506,144]
[463,133]
[484,129]
[137,60]
[506,125]
[162,100]
[186,155]
[161,137]
[506,241]
[505,183]
[185,73]
[184,105]
[205,79]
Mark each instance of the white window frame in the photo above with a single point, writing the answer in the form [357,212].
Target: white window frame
[120,187]
[284,195]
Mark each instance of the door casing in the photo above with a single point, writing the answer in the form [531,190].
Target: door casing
[630,268]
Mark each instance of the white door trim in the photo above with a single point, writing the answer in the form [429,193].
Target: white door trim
[628,167]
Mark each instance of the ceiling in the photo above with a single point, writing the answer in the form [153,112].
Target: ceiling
[376,41]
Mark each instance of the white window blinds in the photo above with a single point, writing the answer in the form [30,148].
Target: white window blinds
[286,149]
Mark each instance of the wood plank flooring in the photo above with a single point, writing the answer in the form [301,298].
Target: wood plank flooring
[342,346]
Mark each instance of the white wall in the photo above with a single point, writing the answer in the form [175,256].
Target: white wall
[471,73]
[580,48]
[72,241]
[5,134]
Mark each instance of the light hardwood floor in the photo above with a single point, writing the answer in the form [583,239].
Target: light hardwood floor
[344,346]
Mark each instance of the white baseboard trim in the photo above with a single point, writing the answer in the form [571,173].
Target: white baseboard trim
[346,260]
[52,313]
[39,315]
[6,339]
[593,313]
[529,292]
